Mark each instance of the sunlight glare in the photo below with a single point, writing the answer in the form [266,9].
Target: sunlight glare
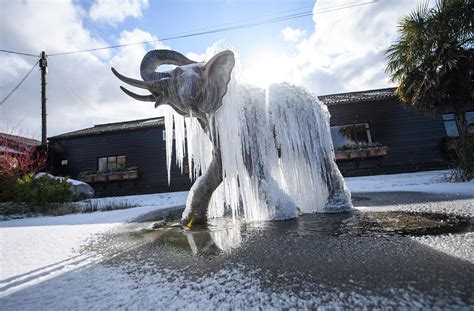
[267,70]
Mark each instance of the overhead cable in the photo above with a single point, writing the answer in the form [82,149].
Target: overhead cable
[18,85]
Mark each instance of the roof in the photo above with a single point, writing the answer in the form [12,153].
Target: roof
[4,149]
[113,128]
[354,97]
[20,139]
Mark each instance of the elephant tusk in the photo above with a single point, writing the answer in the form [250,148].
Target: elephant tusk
[145,98]
[133,82]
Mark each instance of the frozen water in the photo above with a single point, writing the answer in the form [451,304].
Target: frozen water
[276,148]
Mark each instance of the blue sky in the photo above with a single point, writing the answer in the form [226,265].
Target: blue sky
[169,18]
[331,52]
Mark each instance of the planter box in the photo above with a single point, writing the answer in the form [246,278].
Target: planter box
[357,154]
[86,178]
[100,178]
[376,152]
[130,175]
[360,153]
[115,176]
[341,155]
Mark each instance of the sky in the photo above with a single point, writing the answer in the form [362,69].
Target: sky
[338,46]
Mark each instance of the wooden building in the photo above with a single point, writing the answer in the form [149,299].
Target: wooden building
[118,158]
[372,133]
[14,148]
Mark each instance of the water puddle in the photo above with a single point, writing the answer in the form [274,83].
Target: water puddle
[223,235]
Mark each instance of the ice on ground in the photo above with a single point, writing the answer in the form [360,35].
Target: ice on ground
[147,288]
[457,245]
[46,250]
[35,249]
[428,182]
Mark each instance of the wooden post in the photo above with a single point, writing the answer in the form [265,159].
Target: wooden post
[43,63]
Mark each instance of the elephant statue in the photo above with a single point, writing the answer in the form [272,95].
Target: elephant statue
[191,89]
[286,153]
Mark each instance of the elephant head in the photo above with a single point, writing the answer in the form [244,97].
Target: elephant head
[191,88]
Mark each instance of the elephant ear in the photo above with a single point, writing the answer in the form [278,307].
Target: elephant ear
[217,75]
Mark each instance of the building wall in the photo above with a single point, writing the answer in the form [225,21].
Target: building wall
[414,140]
[144,148]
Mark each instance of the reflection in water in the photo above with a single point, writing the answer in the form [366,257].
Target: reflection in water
[227,235]
[191,243]
[220,236]
[223,235]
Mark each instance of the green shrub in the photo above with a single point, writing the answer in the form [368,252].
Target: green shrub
[40,191]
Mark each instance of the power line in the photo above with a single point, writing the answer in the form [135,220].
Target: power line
[245,20]
[68,89]
[223,29]
[18,53]
[18,85]
[215,30]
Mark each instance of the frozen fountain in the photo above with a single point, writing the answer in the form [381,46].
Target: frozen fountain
[261,154]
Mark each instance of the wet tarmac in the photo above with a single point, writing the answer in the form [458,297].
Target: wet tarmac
[369,253]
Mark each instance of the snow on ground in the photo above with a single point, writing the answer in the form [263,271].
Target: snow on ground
[430,182]
[149,288]
[35,249]
[38,250]
[458,245]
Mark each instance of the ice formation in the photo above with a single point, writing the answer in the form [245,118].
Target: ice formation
[277,153]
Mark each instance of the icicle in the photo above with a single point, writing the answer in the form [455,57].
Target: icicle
[180,139]
[168,114]
[276,149]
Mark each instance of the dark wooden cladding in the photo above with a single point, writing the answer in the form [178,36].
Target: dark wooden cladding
[144,148]
[414,140]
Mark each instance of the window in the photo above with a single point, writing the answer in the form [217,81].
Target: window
[109,164]
[352,134]
[451,127]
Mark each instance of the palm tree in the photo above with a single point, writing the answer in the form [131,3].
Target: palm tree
[433,65]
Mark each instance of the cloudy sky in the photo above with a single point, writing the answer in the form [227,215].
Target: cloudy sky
[336,46]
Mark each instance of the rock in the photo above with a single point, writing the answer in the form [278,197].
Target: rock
[80,190]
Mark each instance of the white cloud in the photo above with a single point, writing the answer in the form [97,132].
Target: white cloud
[81,89]
[346,50]
[114,11]
[343,53]
[292,34]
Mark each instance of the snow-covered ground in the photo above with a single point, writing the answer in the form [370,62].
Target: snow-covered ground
[429,182]
[458,245]
[35,250]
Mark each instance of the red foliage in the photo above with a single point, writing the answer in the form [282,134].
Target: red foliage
[18,158]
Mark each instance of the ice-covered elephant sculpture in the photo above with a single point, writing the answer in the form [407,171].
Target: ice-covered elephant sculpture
[271,151]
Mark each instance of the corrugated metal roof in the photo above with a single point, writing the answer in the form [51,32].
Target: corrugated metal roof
[20,139]
[353,97]
[113,127]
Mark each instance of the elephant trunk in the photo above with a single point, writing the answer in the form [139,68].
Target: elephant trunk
[201,192]
[155,58]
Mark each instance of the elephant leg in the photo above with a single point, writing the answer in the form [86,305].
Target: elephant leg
[201,193]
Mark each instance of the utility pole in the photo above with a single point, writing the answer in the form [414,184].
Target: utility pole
[43,63]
